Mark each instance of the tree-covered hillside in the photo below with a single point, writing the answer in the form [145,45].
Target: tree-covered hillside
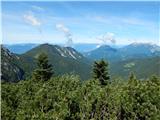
[68,98]
[11,72]
[142,67]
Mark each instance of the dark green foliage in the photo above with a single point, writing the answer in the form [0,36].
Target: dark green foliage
[74,110]
[67,98]
[44,70]
[100,72]
[11,72]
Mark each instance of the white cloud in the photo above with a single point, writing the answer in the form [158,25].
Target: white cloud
[32,20]
[67,33]
[108,37]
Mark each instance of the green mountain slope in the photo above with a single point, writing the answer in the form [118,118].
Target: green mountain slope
[143,67]
[11,72]
[64,60]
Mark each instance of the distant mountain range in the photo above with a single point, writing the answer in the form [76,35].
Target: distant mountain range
[139,50]
[80,47]
[20,48]
[143,59]
[105,52]
[134,50]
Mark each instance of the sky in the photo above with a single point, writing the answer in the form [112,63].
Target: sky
[68,23]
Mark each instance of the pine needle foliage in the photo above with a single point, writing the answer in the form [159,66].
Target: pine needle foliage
[100,72]
[44,69]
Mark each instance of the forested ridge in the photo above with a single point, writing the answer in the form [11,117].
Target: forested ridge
[67,97]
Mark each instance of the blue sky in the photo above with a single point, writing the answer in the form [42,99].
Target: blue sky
[80,22]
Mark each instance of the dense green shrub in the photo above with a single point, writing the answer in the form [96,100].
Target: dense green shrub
[68,98]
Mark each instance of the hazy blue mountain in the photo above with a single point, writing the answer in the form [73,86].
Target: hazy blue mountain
[84,47]
[105,52]
[139,50]
[80,47]
[87,47]
[134,50]
[20,48]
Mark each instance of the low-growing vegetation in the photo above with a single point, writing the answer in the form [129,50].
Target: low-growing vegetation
[67,98]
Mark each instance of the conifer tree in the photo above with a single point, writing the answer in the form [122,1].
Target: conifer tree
[44,69]
[100,72]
